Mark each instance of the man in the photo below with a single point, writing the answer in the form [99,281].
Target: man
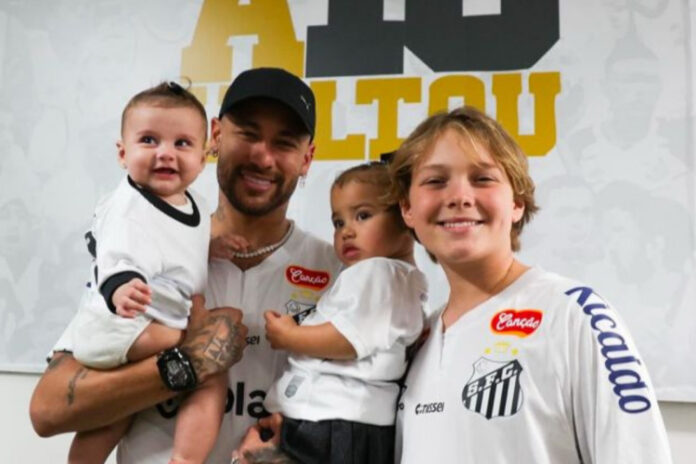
[263,138]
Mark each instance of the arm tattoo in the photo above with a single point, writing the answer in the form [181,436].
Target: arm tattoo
[80,374]
[268,455]
[56,360]
[215,346]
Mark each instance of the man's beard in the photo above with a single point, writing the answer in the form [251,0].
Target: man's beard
[281,195]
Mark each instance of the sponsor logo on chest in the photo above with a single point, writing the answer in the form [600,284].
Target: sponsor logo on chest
[520,323]
[239,403]
[307,278]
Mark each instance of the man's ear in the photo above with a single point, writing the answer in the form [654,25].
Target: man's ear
[307,159]
[121,150]
[211,152]
[214,132]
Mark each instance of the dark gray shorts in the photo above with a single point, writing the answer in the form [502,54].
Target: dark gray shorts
[337,442]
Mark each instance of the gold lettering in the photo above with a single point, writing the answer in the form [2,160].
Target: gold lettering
[209,58]
[544,87]
[350,148]
[470,87]
[387,93]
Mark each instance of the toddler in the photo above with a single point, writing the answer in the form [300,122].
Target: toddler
[338,394]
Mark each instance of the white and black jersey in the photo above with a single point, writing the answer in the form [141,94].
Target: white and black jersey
[290,280]
[136,234]
[377,305]
[543,372]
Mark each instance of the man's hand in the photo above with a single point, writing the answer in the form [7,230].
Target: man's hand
[214,339]
[224,246]
[254,450]
[131,298]
[278,329]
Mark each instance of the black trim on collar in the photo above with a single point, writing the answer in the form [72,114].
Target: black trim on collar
[192,219]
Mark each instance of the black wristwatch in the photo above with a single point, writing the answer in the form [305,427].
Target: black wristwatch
[176,370]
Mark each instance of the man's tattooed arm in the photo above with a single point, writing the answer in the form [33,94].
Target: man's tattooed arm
[214,340]
[55,361]
[70,397]
[79,375]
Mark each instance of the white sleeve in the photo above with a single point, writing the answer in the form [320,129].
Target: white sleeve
[616,415]
[123,245]
[374,303]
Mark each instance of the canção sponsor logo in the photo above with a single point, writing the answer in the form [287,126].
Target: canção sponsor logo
[309,278]
[521,322]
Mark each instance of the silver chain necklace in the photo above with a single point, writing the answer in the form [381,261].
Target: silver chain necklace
[266,249]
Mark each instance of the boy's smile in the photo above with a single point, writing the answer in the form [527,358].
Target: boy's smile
[461,203]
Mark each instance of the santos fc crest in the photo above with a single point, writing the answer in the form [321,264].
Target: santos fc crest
[494,388]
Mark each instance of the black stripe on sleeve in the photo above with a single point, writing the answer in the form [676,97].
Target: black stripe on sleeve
[108,288]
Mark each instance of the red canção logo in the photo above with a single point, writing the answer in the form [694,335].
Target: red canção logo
[309,278]
[521,322]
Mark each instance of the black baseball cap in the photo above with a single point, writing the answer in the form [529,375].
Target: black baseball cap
[276,84]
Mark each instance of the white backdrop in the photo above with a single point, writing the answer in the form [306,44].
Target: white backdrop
[614,172]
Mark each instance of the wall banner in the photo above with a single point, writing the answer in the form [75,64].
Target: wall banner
[598,93]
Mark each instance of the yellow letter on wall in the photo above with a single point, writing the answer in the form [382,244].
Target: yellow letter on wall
[350,148]
[471,88]
[387,92]
[209,58]
[544,87]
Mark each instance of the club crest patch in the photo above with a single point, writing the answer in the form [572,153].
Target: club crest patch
[494,388]
[307,278]
[299,310]
[521,323]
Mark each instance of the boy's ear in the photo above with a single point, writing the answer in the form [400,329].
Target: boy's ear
[121,153]
[518,210]
[405,208]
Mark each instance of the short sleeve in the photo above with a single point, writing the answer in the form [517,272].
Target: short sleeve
[375,303]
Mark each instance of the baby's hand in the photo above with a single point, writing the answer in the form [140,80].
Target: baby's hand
[130,298]
[278,327]
[224,246]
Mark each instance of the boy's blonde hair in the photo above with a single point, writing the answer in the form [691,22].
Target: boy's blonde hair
[479,129]
[374,173]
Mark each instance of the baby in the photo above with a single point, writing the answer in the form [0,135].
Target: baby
[149,240]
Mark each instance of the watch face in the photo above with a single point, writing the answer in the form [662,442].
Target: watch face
[175,371]
[178,376]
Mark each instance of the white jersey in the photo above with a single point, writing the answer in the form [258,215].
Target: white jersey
[137,234]
[377,305]
[291,280]
[544,372]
